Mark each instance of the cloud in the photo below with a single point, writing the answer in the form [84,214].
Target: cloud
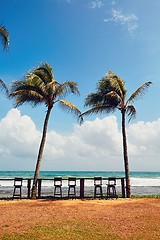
[96,4]
[130,21]
[96,145]
[113,2]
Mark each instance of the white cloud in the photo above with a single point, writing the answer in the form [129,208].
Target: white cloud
[130,21]
[96,145]
[96,4]
[113,2]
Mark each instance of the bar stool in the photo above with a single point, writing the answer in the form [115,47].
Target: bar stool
[58,187]
[111,188]
[98,187]
[71,187]
[17,192]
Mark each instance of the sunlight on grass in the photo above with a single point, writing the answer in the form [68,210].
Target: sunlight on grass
[65,231]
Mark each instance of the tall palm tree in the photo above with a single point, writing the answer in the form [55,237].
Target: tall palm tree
[111,95]
[4,36]
[39,86]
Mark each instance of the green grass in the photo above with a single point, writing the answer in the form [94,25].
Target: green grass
[146,196]
[64,231]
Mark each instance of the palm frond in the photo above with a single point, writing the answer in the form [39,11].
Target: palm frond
[66,88]
[131,112]
[70,108]
[44,72]
[93,98]
[3,87]
[139,92]
[113,98]
[109,99]
[99,108]
[4,35]
[23,92]
[24,96]
[117,83]
[104,85]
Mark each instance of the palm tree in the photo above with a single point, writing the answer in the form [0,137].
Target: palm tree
[4,36]
[111,95]
[39,86]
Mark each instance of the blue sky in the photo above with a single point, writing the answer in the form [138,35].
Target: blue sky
[82,40]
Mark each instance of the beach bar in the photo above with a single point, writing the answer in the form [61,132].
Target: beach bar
[83,188]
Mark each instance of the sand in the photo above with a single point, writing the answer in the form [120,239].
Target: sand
[123,217]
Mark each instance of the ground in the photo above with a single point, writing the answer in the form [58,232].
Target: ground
[80,219]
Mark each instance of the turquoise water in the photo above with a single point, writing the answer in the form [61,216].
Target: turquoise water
[137,178]
[142,183]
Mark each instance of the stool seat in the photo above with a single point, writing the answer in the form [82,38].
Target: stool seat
[17,192]
[58,187]
[111,188]
[98,187]
[71,187]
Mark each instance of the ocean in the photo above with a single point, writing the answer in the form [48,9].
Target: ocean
[142,183]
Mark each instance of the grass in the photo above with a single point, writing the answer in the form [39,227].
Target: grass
[146,196]
[64,231]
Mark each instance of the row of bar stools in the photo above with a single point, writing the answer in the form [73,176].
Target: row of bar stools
[71,187]
[17,192]
[111,187]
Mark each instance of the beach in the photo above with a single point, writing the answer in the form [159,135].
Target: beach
[80,219]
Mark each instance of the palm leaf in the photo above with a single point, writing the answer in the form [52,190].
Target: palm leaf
[93,98]
[117,84]
[66,88]
[44,72]
[69,107]
[3,87]
[131,112]
[4,35]
[27,93]
[112,98]
[99,108]
[24,96]
[139,92]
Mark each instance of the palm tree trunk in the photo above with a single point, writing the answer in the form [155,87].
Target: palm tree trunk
[125,154]
[40,153]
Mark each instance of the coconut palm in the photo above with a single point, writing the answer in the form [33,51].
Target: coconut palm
[4,36]
[111,95]
[39,86]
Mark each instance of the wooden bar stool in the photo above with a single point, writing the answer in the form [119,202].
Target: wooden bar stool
[58,187]
[71,187]
[17,192]
[111,188]
[98,187]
